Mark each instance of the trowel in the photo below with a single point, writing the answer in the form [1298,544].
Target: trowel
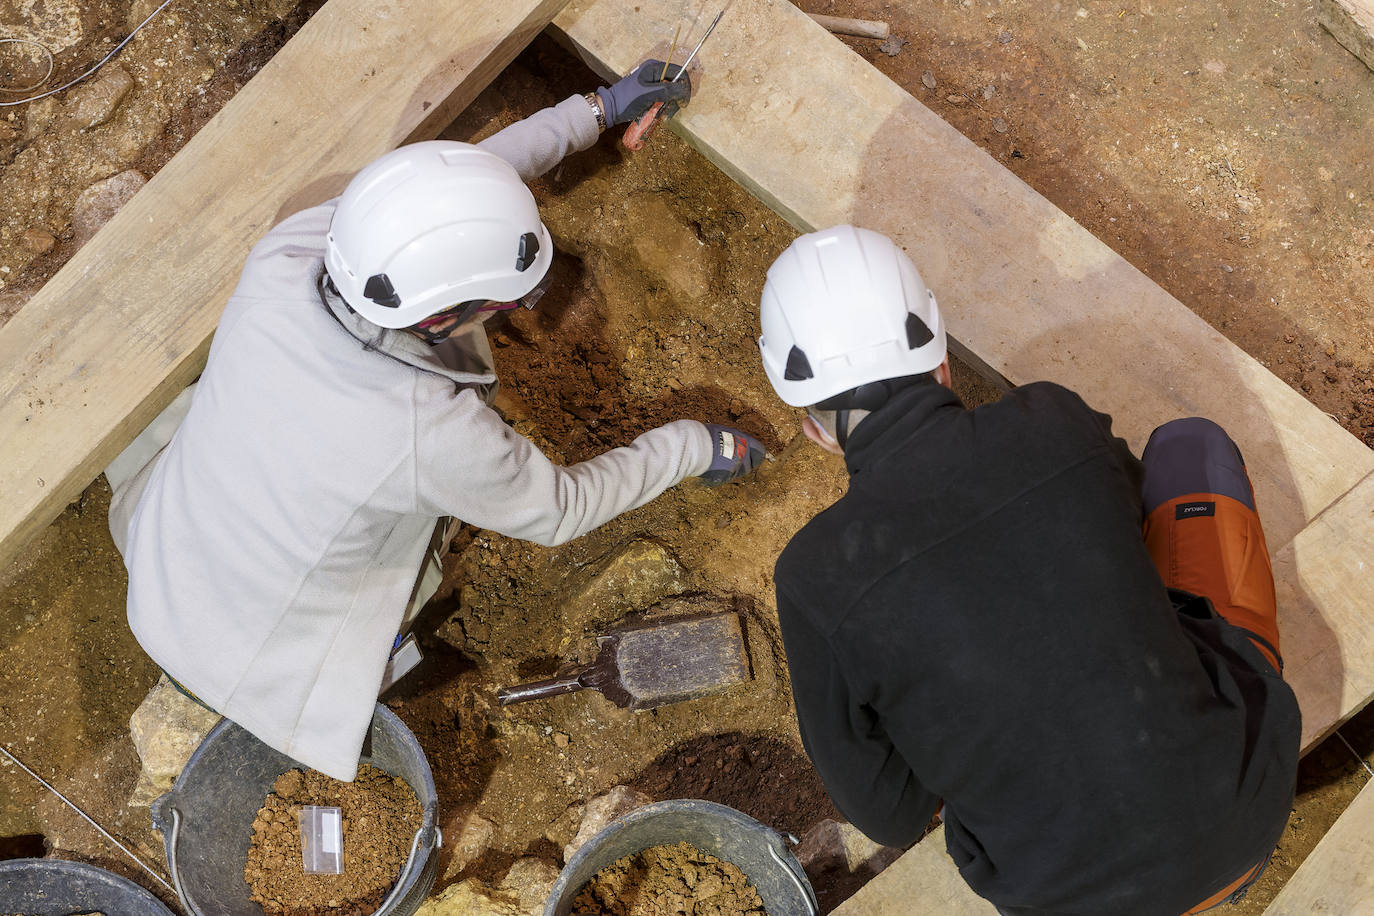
[654,664]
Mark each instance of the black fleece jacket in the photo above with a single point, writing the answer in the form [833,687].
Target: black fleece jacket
[977,620]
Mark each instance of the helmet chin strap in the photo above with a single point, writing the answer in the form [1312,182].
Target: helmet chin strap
[841,426]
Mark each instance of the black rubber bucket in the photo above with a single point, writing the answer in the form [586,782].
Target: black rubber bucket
[54,887]
[758,851]
[207,818]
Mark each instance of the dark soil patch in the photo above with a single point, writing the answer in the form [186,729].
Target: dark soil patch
[762,777]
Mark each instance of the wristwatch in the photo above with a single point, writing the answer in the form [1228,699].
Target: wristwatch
[594,101]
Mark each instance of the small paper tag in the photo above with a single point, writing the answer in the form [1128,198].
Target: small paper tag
[405,656]
[321,840]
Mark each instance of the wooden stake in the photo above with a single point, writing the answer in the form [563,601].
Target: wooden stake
[671,48]
[842,25]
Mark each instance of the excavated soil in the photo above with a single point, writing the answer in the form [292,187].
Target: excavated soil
[1257,219]
[678,880]
[380,817]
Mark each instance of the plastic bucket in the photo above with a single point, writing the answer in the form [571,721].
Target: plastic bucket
[55,887]
[207,818]
[723,832]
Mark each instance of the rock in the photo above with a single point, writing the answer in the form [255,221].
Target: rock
[471,898]
[38,241]
[999,125]
[1004,37]
[601,811]
[892,46]
[529,881]
[167,728]
[562,830]
[928,79]
[473,840]
[641,574]
[561,740]
[837,845]
[668,252]
[94,103]
[39,116]
[101,201]
[7,131]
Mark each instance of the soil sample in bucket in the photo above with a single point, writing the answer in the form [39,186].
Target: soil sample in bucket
[380,817]
[678,880]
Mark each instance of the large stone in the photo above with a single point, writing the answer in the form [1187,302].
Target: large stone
[666,253]
[640,575]
[101,201]
[601,810]
[167,728]
[94,103]
[832,845]
[529,881]
[471,897]
[472,842]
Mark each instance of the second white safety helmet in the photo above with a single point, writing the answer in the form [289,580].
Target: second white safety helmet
[842,308]
[431,225]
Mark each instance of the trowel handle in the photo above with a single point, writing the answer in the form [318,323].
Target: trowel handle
[537,690]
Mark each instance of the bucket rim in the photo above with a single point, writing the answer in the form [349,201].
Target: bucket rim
[773,839]
[70,867]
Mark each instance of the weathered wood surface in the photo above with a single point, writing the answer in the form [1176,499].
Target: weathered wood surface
[127,322]
[923,882]
[1337,878]
[1351,22]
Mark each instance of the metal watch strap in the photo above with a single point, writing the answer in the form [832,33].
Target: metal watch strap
[595,102]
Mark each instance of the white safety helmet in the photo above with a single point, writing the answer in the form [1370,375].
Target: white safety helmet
[432,225]
[842,308]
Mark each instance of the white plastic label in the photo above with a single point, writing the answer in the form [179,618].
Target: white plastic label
[321,840]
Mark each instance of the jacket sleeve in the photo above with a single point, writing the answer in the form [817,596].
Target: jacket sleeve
[539,142]
[867,778]
[471,465]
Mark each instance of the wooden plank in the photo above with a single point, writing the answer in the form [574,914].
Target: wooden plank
[823,138]
[1351,22]
[1325,580]
[923,881]
[127,322]
[1338,877]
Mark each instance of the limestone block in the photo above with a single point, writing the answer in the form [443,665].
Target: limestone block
[166,728]
[474,839]
[529,881]
[641,574]
[101,201]
[664,253]
[471,898]
[601,811]
[838,845]
[93,103]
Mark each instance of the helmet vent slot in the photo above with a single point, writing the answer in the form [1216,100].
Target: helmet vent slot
[798,366]
[917,332]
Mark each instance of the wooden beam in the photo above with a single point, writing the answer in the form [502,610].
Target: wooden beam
[1325,580]
[1351,22]
[822,137]
[126,324]
[1338,876]
[923,880]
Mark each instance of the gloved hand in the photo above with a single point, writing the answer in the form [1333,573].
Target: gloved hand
[640,89]
[733,453]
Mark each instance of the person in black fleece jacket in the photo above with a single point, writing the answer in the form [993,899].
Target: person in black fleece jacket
[1008,618]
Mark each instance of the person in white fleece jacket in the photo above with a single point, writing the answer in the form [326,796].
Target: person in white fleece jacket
[276,518]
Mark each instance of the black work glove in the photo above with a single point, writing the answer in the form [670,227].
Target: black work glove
[733,453]
[636,93]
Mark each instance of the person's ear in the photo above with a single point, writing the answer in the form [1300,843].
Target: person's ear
[817,434]
[942,374]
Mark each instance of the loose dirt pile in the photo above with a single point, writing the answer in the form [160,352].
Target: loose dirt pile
[380,817]
[678,880]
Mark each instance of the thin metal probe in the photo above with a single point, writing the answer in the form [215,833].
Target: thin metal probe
[709,29]
[105,833]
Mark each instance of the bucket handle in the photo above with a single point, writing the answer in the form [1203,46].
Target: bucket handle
[172,859]
[803,887]
[409,867]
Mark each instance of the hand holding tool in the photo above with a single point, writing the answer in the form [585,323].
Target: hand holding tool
[655,664]
[637,134]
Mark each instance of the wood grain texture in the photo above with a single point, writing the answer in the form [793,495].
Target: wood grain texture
[823,138]
[126,324]
[923,882]
[1337,878]
[1351,22]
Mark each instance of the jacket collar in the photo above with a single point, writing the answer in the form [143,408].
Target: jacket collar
[893,424]
[464,359]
